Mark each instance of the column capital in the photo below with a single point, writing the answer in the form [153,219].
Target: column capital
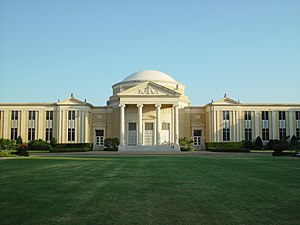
[157,105]
[139,105]
[122,105]
[175,105]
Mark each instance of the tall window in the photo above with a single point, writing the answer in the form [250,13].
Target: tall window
[31,125]
[248,126]
[282,125]
[297,114]
[226,126]
[265,125]
[14,125]
[71,126]
[49,125]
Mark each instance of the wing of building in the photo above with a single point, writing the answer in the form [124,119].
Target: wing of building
[148,110]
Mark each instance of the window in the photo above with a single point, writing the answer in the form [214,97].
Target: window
[281,115]
[31,134]
[265,134]
[14,134]
[71,115]
[49,115]
[14,115]
[71,134]
[132,134]
[48,134]
[31,115]
[282,133]
[226,134]
[248,126]
[165,134]
[265,115]
[226,126]
[297,114]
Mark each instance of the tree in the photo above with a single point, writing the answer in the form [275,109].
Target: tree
[258,143]
[53,142]
[294,143]
[19,140]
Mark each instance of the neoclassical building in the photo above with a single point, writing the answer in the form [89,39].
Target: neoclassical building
[148,110]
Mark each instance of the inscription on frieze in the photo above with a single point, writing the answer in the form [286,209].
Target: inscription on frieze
[147,91]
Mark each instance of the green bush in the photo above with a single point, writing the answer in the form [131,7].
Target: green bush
[19,140]
[248,144]
[111,143]
[23,150]
[294,143]
[6,144]
[185,144]
[223,145]
[69,149]
[72,147]
[38,145]
[6,153]
[53,142]
[258,143]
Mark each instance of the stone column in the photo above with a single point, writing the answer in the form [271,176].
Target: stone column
[275,122]
[291,123]
[176,125]
[87,127]
[158,125]
[140,124]
[256,125]
[122,125]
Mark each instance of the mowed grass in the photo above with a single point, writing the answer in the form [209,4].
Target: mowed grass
[150,190]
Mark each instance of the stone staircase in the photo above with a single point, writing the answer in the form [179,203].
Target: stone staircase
[158,148]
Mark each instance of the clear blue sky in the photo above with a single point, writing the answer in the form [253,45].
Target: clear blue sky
[249,49]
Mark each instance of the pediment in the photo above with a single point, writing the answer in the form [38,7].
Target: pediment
[149,88]
[226,101]
[71,101]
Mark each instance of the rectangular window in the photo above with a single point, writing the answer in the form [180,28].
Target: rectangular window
[14,134]
[248,126]
[297,115]
[31,134]
[281,115]
[298,132]
[49,115]
[282,133]
[31,115]
[226,134]
[265,134]
[248,134]
[48,134]
[71,115]
[265,115]
[14,115]
[71,134]
[226,126]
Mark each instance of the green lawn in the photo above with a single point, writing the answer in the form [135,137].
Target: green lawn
[150,190]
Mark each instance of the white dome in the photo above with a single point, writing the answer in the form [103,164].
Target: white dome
[152,75]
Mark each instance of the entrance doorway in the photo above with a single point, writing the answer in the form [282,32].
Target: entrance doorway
[165,134]
[197,137]
[131,134]
[99,137]
[148,135]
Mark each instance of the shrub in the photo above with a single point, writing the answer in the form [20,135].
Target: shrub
[6,144]
[53,142]
[294,144]
[185,144]
[38,145]
[223,145]
[6,153]
[258,143]
[72,147]
[278,146]
[111,144]
[23,150]
[248,144]
[19,140]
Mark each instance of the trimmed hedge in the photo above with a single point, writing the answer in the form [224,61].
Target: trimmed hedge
[226,147]
[72,147]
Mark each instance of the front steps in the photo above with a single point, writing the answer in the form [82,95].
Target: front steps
[158,148]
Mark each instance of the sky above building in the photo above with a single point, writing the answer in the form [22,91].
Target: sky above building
[247,49]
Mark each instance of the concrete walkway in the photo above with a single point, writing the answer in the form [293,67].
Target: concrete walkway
[135,153]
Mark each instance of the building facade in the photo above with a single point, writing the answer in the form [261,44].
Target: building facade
[148,110]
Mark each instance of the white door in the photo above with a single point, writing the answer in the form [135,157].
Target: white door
[197,137]
[148,135]
[132,134]
[165,134]
[99,137]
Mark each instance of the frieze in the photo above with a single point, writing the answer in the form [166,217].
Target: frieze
[147,91]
